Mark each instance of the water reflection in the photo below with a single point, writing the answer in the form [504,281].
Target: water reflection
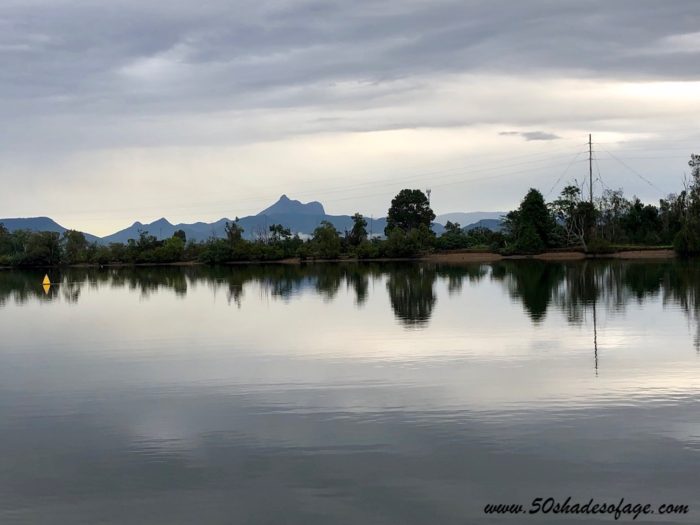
[534,283]
[412,294]
[573,288]
[345,393]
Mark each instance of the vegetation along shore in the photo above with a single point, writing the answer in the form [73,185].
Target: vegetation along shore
[568,227]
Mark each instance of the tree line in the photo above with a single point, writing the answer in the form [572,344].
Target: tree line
[608,223]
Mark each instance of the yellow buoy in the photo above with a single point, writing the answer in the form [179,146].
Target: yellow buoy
[46,288]
[46,280]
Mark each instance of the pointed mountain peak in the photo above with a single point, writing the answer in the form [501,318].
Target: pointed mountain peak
[285,205]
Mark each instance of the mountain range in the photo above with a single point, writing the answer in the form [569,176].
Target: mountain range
[469,218]
[299,217]
[40,224]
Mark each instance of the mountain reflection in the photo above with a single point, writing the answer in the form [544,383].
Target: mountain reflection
[572,288]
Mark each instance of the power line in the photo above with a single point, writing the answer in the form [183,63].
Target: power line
[465,181]
[635,172]
[538,160]
[563,173]
[452,172]
[461,171]
[548,153]
[600,176]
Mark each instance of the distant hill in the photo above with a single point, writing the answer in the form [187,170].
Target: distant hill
[304,218]
[305,224]
[39,224]
[301,218]
[469,217]
[495,225]
[163,229]
[286,206]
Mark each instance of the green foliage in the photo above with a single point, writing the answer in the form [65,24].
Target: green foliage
[398,245]
[180,234]
[102,255]
[415,242]
[453,238]
[642,223]
[75,247]
[118,253]
[600,246]
[456,238]
[216,251]
[368,249]
[42,249]
[481,237]
[453,228]
[531,227]
[528,240]
[326,241]
[279,233]
[409,209]
[672,211]
[687,241]
[358,234]
[5,246]
[170,250]
[575,219]
[234,232]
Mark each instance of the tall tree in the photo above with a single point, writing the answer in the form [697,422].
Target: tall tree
[180,234]
[531,226]
[234,232]
[5,241]
[359,230]
[575,215]
[409,210]
[326,241]
[688,239]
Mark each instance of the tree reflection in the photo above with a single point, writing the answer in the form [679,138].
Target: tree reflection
[574,288]
[532,282]
[457,274]
[358,279]
[411,293]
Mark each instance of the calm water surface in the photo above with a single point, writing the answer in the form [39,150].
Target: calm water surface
[369,394]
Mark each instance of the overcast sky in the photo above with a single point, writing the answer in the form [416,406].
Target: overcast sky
[131,110]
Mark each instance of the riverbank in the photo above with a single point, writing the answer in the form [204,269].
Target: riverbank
[484,257]
[444,257]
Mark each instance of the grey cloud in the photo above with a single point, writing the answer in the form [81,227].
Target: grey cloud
[531,135]
[72,56]
[78,76]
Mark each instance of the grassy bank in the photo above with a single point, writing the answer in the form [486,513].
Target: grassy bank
[453,256]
